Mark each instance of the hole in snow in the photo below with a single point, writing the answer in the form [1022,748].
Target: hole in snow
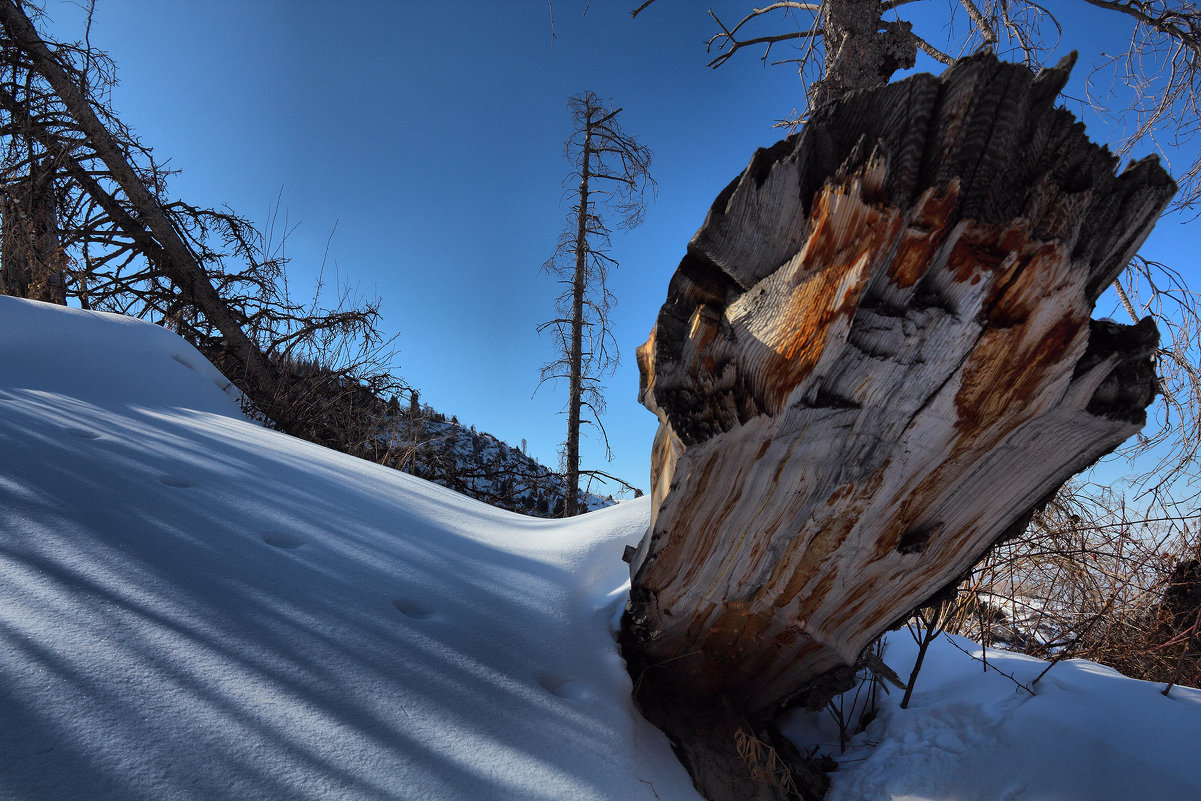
[177,481]
[285,541]
[413,609]
[563,687]
[183,361]
[83,433]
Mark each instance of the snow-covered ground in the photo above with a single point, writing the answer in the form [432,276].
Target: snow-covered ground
[1085,732]
[194,607]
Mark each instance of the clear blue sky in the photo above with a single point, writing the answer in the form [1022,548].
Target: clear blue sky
[431,134]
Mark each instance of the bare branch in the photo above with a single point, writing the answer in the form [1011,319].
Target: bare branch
[1162,70]
[932,51]
[726,37]
[982,25]
[634,14]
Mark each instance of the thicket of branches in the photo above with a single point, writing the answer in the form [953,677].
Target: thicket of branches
[1091,579]
[88,218]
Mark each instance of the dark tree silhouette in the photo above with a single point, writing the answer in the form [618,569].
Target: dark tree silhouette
[87,217]
[610,173]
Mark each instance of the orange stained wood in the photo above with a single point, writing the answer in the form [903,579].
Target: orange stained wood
[703,331]
[753,530]
[924,235]
[775,553]
[645,356]
[830,273]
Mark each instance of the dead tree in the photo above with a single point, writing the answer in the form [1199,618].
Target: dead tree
[175,258]
[838,46]
[875,360]
[613,174]
[211,276]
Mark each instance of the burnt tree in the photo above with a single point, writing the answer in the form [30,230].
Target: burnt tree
[875,360]
[79,190]
[151,225]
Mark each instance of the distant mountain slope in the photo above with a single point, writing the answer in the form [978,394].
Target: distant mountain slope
[338,411]
[477,464]
[348,414]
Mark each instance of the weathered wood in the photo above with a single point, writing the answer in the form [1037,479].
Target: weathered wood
[875,360]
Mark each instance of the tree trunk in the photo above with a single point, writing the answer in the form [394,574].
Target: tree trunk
[874,362]
[32,262]
[863,50]
[571,501]
[180,266]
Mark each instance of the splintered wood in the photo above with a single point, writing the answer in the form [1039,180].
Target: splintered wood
[875,360]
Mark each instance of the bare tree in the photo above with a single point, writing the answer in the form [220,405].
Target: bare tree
[88,216]
[611,172]
[32,260]
[144,217]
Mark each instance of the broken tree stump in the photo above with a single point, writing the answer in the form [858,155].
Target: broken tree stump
[875,360]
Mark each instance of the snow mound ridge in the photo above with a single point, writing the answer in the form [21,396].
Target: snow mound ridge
[194,607]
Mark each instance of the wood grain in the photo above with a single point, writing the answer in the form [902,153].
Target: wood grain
[875,359]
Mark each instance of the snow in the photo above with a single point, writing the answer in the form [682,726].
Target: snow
[1083,731]
[195,607]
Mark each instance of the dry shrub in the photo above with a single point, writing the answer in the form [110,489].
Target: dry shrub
[763,763]
[1093,579]
[331,392]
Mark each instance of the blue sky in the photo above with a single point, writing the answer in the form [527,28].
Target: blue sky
[431,135]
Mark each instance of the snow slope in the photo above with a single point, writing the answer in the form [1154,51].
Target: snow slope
[194,607]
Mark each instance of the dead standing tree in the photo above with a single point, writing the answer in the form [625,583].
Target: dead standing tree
[613,173]
[876,360]
[33,263]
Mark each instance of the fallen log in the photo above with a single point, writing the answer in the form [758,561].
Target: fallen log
[145,220]
[875,360]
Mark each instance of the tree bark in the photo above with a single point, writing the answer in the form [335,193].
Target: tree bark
[571,500]
[876,359]
[862,49]
[32,262]
[180,266]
